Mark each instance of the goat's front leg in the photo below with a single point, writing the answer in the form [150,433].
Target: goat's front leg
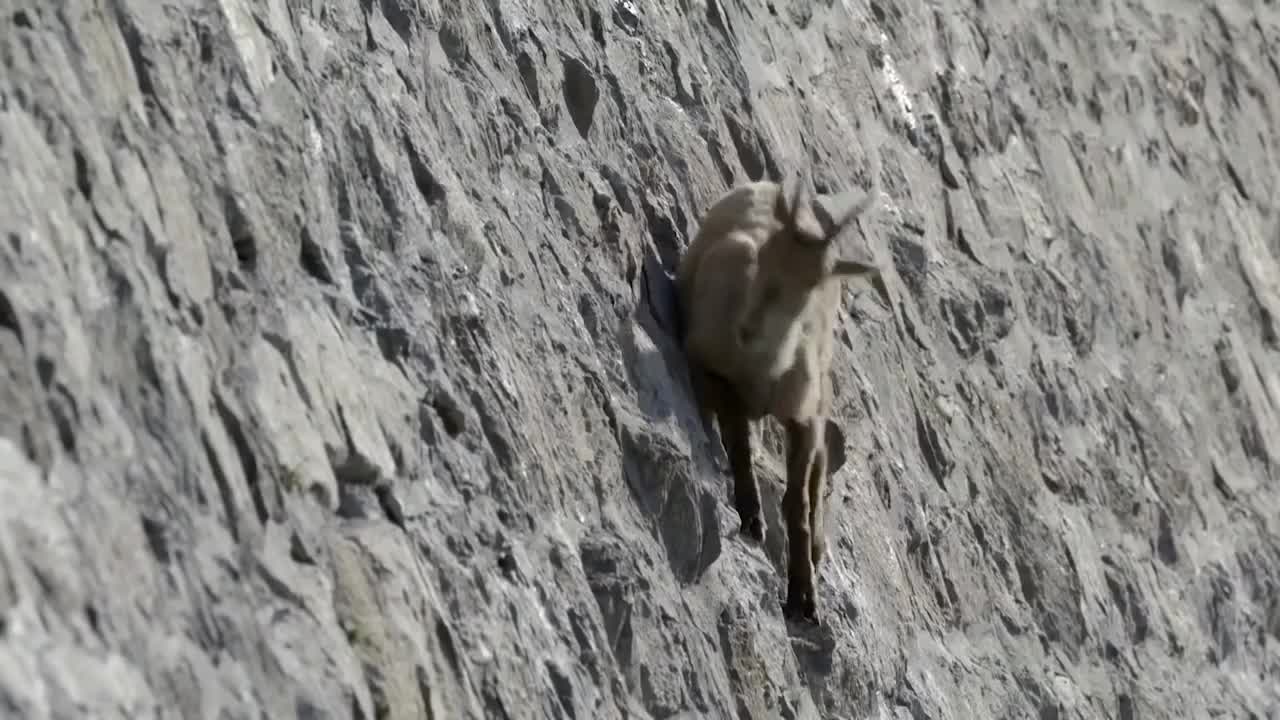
[716,396]
[802,451]
[818,507]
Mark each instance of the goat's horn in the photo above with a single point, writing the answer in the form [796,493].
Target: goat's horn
[799,198]
[783,206]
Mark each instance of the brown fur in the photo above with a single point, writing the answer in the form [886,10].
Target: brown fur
[759,290]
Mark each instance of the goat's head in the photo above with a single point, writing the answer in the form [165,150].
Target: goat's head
[799,256]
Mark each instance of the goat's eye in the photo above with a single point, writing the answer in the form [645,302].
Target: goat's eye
[771,292]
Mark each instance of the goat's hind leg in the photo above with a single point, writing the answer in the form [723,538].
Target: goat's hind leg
[831,455]
[818,509]
[716,396]
[802,451]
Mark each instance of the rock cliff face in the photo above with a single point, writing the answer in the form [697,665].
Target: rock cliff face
[337,380]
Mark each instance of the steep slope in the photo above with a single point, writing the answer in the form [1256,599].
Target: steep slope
[336,382]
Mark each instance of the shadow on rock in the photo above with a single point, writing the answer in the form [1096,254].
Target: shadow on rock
[660,470]
[683,511]
[815,653]
[655,362]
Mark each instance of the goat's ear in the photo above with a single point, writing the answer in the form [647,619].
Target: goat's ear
[852,212]
[853,268]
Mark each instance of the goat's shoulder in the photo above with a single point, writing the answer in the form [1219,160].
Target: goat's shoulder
[730,232]
[730,253]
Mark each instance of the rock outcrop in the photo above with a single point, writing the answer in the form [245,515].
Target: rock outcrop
[338,379]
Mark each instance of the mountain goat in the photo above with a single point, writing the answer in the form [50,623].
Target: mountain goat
[759,288]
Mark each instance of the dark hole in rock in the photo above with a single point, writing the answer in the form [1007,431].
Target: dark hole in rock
[312,259]
[581,93]
[450,414]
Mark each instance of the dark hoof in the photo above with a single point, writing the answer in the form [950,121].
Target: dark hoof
[801,609]
[753,527]
[816,554]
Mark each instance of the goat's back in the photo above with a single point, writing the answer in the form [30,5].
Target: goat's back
[749,208]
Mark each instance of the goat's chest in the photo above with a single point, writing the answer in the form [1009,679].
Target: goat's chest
[782,381]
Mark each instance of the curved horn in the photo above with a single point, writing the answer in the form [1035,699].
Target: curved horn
[800,213]
[799,198]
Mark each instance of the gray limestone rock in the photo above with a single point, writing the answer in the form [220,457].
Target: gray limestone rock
[339,374]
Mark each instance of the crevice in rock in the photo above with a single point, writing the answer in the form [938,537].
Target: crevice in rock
[245,452]
[581,93]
